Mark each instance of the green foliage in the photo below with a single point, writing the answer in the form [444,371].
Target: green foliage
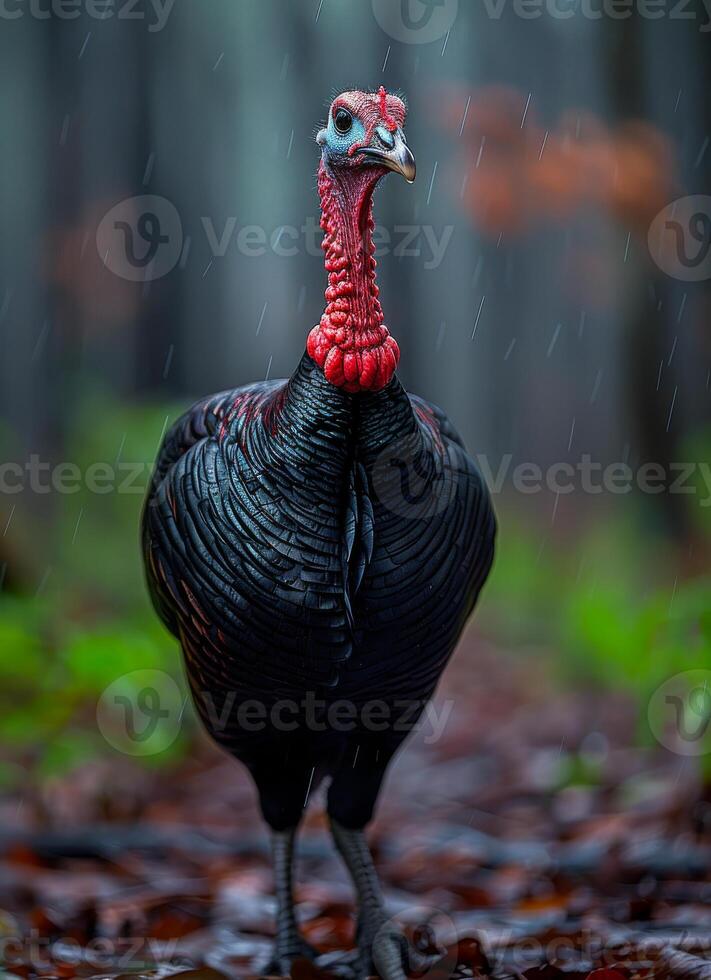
[96,537]
[637,644]
[92,622]
[615,612]
[697,446]
[52,673]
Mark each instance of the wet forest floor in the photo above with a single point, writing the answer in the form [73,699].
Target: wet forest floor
[534,838]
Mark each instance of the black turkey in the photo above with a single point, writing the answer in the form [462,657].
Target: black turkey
[317,544]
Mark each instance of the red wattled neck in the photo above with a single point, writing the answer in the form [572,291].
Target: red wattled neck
[351,343]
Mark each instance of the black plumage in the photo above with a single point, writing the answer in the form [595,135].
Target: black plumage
[287,551]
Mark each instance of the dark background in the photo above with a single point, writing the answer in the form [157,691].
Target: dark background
[549,331]
[217,110]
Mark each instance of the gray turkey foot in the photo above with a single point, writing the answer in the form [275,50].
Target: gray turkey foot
[286,951]
[289,945]
[382,949]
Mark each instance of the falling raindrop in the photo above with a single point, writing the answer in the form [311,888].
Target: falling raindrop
[466,112]
[168,361]
[147,173]
[83,47]
[478,316]
[43,581]
[76,526]
[702,152]
[543,145]
[525,111]
[311,778]
[671,355]
[682,307]
[554,339]
[261,318]
[301,300]
[7,525]
[41,340]
[596,387]
[477,271]
[671,407]
[434,171]
[186,251]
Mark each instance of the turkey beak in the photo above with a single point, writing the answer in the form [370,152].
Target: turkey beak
[392,152]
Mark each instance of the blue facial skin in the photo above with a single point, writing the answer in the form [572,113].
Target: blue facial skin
[340,143]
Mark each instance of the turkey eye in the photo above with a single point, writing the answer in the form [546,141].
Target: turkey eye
[343,120]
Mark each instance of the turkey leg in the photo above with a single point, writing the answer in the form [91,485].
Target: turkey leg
[380,945]
[290,945]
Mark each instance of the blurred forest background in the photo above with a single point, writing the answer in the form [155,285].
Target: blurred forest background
[526,301]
